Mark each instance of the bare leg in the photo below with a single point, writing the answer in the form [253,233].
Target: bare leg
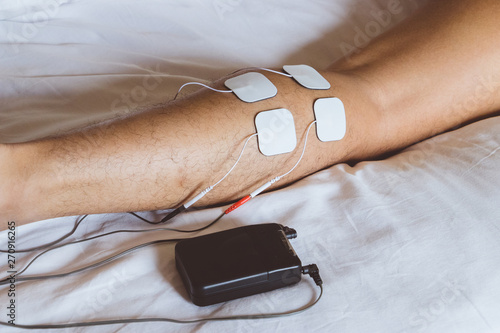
[412,83]
[159,158]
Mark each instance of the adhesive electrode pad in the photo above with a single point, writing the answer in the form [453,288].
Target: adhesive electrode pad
[251,87]
[330,119]
[276,132]
[307,77]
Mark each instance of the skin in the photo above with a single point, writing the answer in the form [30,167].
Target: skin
[436,71]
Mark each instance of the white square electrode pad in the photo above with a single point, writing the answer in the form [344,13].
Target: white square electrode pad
[330,119]
[307,76]
[251,87]
[276,132]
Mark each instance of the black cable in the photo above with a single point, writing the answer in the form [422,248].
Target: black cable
[143,219]
[312,270]
[176,230]
[41,247]
[171,320]
[173,213]
[97,264]
[169,216]
[6,280]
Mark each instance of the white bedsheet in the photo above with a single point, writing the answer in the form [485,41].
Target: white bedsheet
[406,244]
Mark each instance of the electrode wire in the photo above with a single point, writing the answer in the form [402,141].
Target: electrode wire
[143,219]
[236,71]
[5,280]
[200,84]
[263,69]
[252,195]
[237,161]
[41,247]
[303,151]
[171,320]
[94,265]
[189,203]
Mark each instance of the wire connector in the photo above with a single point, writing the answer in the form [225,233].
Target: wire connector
[188,204]
[237,204]
[172,214]
[290,232]
[313,271]
[198,197]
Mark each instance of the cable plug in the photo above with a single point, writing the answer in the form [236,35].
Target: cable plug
[173,213]
[241,202]
[188,204]
[313,271]
[290,232]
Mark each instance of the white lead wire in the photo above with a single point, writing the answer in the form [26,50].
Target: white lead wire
[274,180]
[208,189]
[237,161]
[263,69]
[200,84]
[228,91]
[303,151]
[273,71]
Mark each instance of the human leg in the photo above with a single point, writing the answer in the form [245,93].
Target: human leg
[410,84]
[161,157]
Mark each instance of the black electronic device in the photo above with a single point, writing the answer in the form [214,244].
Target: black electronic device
[238,262]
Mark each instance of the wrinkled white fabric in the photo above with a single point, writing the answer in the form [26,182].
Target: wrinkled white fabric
[406,244]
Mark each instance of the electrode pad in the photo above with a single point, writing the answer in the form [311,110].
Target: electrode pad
[307,77]
[252,87]
[276,132]
[330,119]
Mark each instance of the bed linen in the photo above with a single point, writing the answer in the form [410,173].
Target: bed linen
[405,244]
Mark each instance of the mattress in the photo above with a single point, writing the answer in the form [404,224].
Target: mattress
[408,243]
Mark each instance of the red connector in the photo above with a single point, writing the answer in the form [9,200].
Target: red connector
[238,204]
